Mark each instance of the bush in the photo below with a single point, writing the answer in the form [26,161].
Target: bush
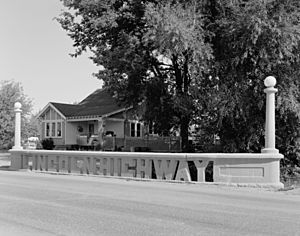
[48,144]
[6,146]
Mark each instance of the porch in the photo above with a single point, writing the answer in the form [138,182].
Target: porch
[142,144]
[132,144]
[111,134]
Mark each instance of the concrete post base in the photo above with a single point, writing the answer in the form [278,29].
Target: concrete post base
[270,150]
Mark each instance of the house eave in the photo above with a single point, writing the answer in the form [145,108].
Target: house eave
[83,118]
[117,111]
[95,117]
[53,107]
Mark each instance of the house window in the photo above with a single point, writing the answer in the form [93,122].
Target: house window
[138,130]
[132,129]
[47,129]
[53,129]
[58,129]
[135,129]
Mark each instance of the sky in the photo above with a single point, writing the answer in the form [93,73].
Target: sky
[34,50]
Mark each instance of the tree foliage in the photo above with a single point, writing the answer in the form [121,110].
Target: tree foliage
[152,51]
[198,61]
[254,39]
[11,92]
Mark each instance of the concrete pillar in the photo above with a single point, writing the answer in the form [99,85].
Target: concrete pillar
[270,91]
[18,111]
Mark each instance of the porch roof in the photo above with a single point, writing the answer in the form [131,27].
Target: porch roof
[97,104]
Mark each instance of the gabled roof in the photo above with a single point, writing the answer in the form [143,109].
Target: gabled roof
[66,109]
[99,103]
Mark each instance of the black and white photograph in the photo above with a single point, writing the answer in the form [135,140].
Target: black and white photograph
[153,117]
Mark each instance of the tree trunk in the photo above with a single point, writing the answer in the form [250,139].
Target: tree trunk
[184,133]
[182,85]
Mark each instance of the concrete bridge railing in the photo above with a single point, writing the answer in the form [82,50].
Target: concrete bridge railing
[240,168]
[261,169]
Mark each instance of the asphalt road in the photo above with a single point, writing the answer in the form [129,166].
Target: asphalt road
[43,204]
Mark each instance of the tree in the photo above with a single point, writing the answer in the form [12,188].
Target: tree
[198,61]
[31,126]
[152,51]
[11,92]
[254,39]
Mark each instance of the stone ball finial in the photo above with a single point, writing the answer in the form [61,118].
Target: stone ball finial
[18,106]
[270,81]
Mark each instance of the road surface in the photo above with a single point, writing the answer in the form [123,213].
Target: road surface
[44,204]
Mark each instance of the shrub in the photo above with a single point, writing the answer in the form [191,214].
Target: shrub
[48,144]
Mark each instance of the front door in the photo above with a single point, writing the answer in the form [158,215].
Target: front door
[91,129]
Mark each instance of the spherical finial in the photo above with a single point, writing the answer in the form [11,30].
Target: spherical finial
[18,106]
[270,81]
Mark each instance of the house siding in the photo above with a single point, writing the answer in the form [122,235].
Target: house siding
[116,126]
[127,128]
[58,141]
[71,133]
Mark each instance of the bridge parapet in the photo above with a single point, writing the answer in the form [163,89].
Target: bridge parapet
[261,169]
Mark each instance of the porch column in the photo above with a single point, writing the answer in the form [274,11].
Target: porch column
[101,130]
[18,111]
[270,91]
